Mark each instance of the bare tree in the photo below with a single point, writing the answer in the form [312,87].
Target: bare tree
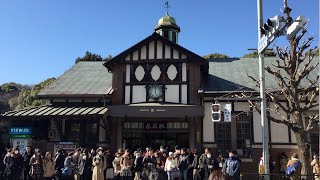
[291,72]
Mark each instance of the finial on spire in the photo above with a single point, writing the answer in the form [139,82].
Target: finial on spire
[167,7]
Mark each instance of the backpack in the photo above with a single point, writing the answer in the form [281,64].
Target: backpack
[292,169]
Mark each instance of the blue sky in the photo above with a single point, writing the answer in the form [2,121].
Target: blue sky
[41,39]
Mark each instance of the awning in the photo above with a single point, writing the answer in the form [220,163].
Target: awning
[49,110]
[156,110]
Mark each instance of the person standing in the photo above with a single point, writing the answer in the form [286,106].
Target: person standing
[233,166]
[26,163]
[283,161]
[126,164]
[99,165]
[315,167]
[210,164]
[293,163]
[183,164]
[201,162]
[195,165]
[48,166]
[85,165]
[68,172]
[171,166]
[36,165]
[116,165]
[138,164]
[14,165]
[109,166]
[59,163]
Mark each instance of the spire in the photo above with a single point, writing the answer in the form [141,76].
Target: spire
[167,7]
[167,26]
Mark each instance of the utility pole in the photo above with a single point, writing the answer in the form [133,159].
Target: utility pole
[264,122]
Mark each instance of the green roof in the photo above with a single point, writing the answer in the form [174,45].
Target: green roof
[231,74]
[84,79]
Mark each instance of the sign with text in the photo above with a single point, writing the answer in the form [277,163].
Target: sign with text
[20,130]
[155,125]
[227,113]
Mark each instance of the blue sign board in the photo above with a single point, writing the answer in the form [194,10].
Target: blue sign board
[20,130]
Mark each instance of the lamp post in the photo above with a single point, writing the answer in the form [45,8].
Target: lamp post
[264,122]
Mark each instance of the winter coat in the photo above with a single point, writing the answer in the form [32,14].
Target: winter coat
[36,165]
[69,164]
[59,161]
[48,168]
[196,161]
[14,165]
[149,160]
[99,165]
[183,162]
[26,161]
[315,166]
[170,164]
[233,168]
[85,166]
[138,164]
[283,164]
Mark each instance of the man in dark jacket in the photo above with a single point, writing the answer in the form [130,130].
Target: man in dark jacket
[26,160]
[195,165]
[15,164]
[59,160]
[184,162]
[233,166]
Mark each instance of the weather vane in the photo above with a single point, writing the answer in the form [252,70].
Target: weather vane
[167,7]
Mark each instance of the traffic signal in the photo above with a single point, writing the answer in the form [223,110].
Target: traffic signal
[272,26]
[295,27]
[215,113]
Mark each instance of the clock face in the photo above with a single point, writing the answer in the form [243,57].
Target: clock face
[155,91]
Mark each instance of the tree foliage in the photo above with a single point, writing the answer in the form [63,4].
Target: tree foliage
[255,54]
[294,68]
[27,97]
[9,91]
[92,57]
[216,56]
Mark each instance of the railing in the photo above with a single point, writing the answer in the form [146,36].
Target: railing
[257,176]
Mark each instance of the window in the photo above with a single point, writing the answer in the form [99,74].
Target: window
[166,34]
[235,135]
[223,135]
[174,37]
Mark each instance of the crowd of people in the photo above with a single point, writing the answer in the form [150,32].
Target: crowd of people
[142,164]
[100,164]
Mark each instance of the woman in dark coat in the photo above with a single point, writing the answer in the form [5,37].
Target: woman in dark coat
[85,165]
[59,163]
[14,164]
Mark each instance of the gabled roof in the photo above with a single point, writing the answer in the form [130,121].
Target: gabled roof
[155,36]
[84,79]
[231,75]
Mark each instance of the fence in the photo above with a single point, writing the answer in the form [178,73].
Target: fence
[256,176]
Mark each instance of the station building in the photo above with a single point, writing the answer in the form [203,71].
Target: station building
[154,93]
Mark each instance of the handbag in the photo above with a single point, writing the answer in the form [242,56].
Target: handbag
[66,171]
[175,172]
[261,169]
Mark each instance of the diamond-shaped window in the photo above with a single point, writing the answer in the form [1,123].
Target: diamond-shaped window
[172,72]
[139,73]
[155,72]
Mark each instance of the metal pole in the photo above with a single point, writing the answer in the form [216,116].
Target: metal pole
[264,122]
[319,87]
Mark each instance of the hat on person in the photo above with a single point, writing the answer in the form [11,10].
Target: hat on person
[170,153]
[37,150]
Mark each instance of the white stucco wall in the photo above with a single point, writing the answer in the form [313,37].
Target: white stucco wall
[208,127]
[138,94]
[172,93]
